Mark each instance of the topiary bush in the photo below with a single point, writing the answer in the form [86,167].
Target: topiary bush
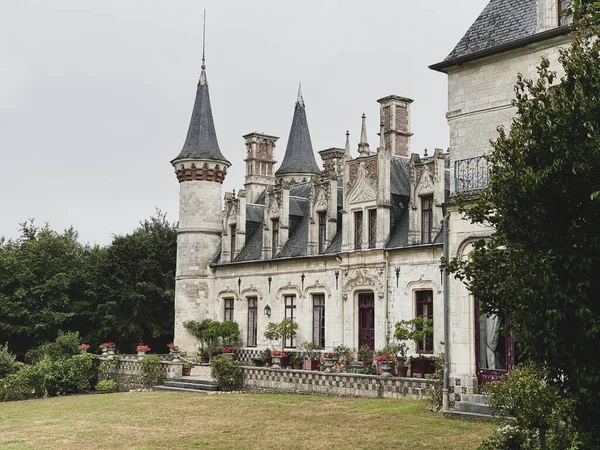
[107,386]
[152,371]
[27,383]
[227,373]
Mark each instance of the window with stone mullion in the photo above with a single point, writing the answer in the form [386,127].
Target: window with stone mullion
[372,228]
[425,311]
[322,231]
[358,229]
[252,322]
[290,313]
[319,320]
[228,313]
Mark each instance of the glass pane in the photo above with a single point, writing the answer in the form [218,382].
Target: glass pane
[492,345]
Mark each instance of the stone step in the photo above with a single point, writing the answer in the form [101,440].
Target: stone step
[481,399]
[473,408]
[180,389]
[205,386]
[471,416]
[189,380]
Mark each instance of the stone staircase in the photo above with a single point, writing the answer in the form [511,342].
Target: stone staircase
[189,384]
[477,408]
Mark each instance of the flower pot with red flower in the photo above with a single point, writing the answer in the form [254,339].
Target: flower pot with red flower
[365,356]
[174,351]
[83,348]
[310,353]
[228,352]
[276,358]
[142,349]
[387,360]
[108,348]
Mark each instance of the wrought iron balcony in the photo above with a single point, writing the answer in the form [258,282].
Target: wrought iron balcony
[470,174]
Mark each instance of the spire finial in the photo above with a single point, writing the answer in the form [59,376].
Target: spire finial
[203,40]
[347,155]
[300,99]
[363,145]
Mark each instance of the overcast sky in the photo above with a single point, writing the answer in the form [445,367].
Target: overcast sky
[96,96]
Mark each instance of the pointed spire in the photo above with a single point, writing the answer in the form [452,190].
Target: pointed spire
[201,141]
[299,156]
[347,154]
[363,145]
[300,99]
[203,79]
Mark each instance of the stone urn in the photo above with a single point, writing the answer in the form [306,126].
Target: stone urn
[386,369]
[141,353]
[110,351]
[276,362]
[328,364]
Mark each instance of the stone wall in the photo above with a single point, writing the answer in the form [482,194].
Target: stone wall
[126,370]
[265,379]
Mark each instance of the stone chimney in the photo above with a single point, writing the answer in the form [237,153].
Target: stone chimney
[395,115]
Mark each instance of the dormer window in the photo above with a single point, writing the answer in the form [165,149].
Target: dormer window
[562,19]
[358,226]
[232,241]
[372,228]
[426,218]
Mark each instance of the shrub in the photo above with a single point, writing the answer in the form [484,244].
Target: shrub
[74,375]
[107,386]
[65,345]
[27,383]
[435,396]
[152,371]
[510,438]
[227,373]
[7,361]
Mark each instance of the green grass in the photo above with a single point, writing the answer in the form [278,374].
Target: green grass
[165,420]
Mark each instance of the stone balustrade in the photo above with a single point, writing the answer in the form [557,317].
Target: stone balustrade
[126,370]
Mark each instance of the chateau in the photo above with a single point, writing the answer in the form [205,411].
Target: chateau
[349,246]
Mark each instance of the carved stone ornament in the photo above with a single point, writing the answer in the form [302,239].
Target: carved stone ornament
[317,287]
[367,277]
[364,188]
[321,203]
[251,291]
[226,292]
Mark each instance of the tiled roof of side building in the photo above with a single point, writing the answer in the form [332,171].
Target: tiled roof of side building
[499,24]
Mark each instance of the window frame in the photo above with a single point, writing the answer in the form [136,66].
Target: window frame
[252,332]
[426,218]
[424,305]
[274,237]
[228,308]
[318,315]
[290,309]
[358,229]
[372,227]
[233,232]
[322,231]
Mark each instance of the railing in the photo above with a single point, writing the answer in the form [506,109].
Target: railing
[470,174]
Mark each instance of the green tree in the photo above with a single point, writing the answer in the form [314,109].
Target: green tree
[42,284]
[541,264]
[132,287]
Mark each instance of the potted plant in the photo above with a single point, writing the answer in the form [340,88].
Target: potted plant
[108,348]
[364,356]
[83,348]
[282,331]
[310,353]
[265,355]
[296,360]
[142,349]
[228,352]
[173,348]
[417,330]
[186,369]
[196,328]
[277,356]
[387,360]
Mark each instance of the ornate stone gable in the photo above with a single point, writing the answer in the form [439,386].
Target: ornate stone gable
[363,183]
[372,277]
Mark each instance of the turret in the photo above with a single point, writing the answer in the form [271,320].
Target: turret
[200,169]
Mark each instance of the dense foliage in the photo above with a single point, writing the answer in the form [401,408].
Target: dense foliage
[540,266]
[152,371]
[227,373]
[124,292]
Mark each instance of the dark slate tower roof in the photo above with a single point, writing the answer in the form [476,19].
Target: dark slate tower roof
[201,141]
[299,156]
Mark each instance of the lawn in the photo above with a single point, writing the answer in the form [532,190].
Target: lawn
[165,420]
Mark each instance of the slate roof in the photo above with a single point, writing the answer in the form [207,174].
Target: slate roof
[400,176]
[299,156]
[201,141]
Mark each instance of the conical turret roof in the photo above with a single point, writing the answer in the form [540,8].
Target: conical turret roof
[201,141]
[299,156]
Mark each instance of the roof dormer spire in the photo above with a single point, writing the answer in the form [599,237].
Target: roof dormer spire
[363,145]
[347,154]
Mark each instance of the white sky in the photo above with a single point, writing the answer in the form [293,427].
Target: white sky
[96,96]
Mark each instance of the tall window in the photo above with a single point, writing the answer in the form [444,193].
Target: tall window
[425,310]
[232,242]
[372,228]
[275,237]
[228,316]
[290,313]
[322,231]
[564,20]
[319,320]
[252,322]
[358,226]
[426,219]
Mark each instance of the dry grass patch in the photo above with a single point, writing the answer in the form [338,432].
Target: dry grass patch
[249,421]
